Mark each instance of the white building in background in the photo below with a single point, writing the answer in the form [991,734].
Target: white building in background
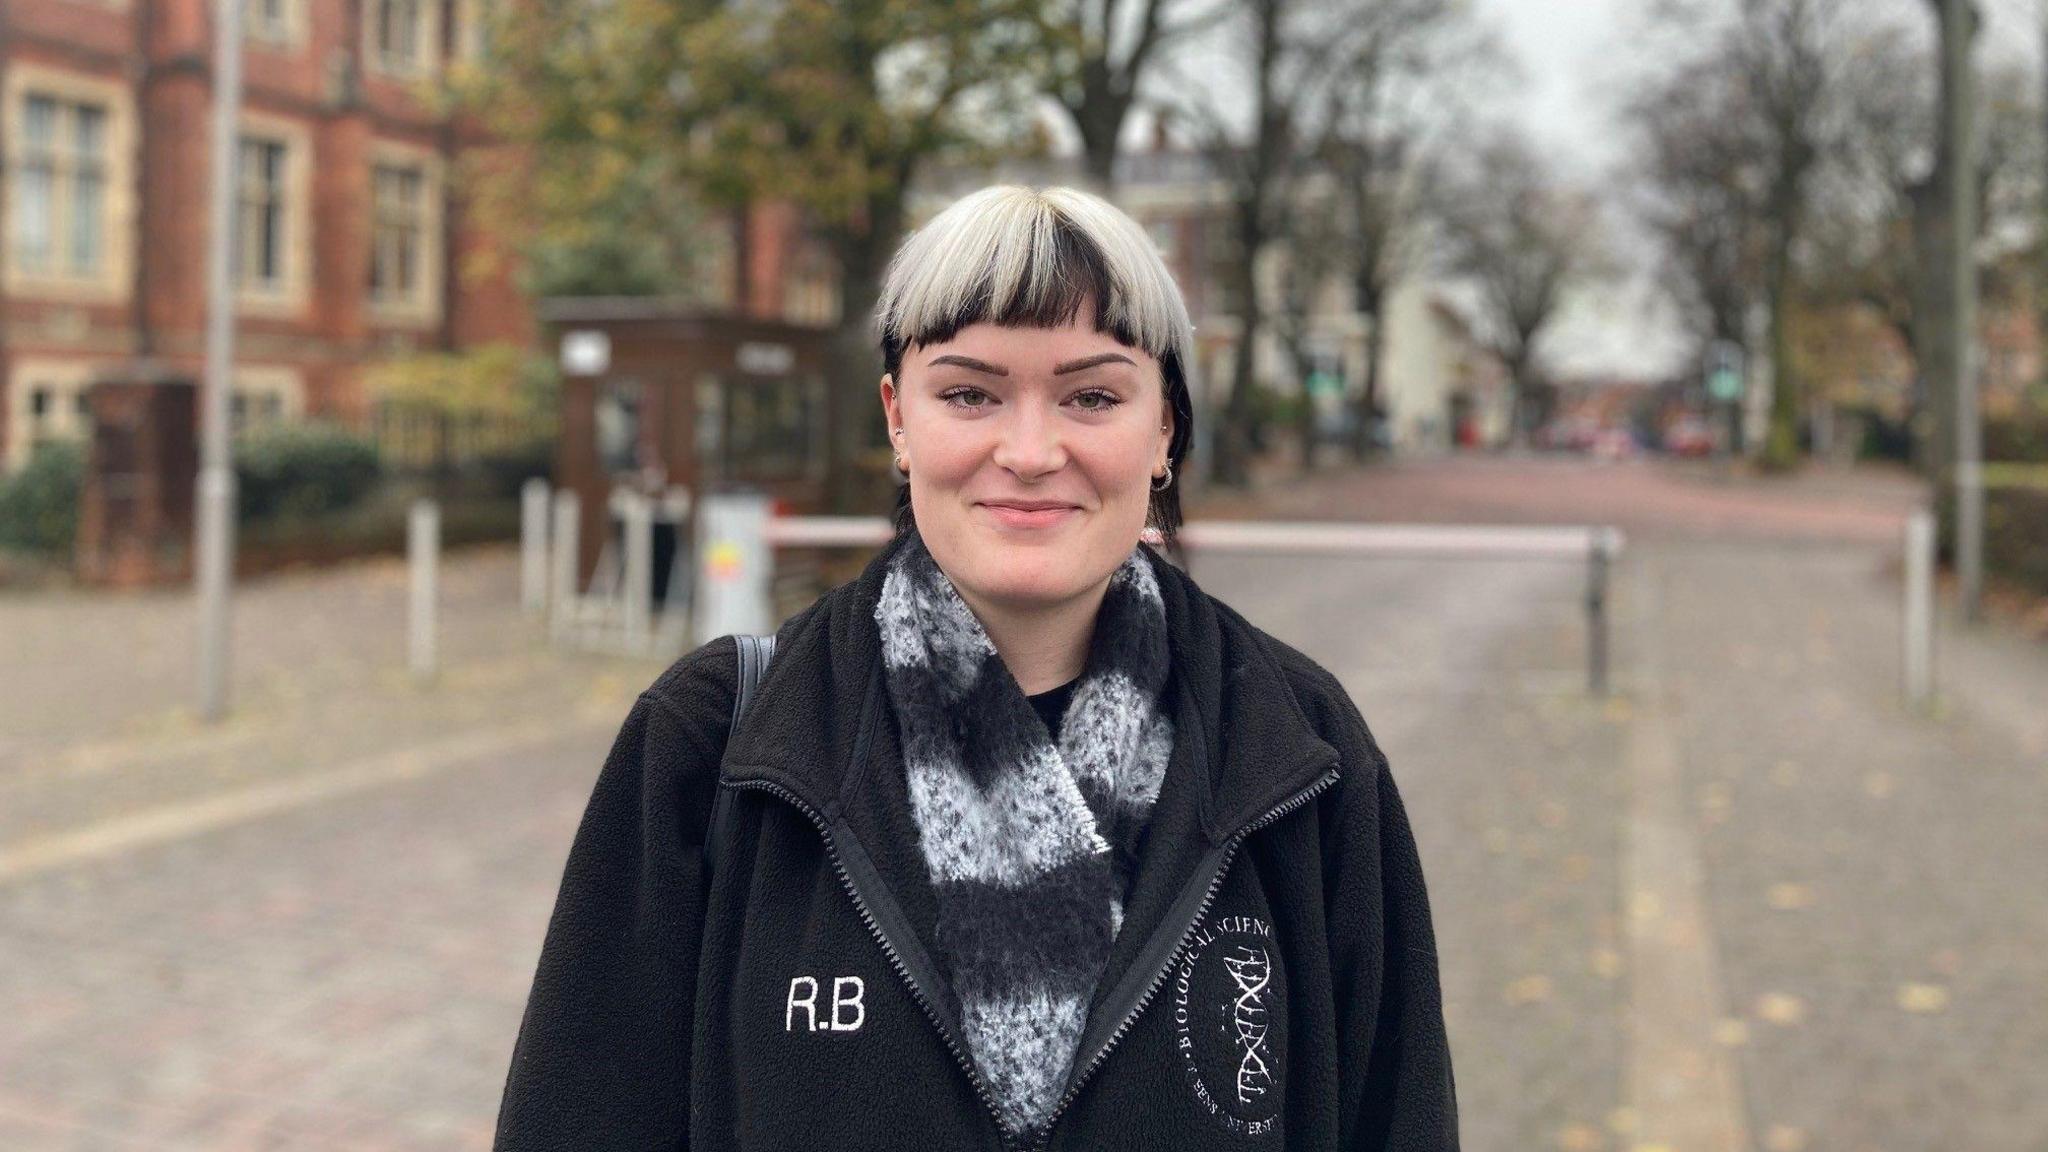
[1434,376]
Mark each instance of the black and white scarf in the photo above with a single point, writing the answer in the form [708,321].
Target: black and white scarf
[1030,845]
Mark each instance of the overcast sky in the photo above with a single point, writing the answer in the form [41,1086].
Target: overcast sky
[1577,60]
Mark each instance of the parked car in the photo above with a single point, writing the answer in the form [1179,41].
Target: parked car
[1614,444]
[1689,436]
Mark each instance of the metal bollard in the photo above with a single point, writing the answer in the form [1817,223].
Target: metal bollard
[1597,575]
[423,548]
[533,546]
[735,566]
[637,513]
[563,579]
[1918,663]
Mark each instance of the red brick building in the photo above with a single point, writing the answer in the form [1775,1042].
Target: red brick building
[354,243]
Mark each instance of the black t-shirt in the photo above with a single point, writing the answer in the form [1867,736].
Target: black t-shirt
[1052,705]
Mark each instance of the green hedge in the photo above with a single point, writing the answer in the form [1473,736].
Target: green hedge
[39,504]
[303,472]
[2016,519]
[299,474]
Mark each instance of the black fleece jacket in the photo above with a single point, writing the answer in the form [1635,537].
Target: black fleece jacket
[1274,984]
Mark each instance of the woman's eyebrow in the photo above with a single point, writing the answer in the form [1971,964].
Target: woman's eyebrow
[970,362]
[1061,370]
[1092,361]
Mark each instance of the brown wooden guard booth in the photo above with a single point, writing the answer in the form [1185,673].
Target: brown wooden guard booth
[136,506]
[658,395]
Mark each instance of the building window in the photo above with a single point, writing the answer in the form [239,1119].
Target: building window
[60,209]
[398,34]
[1223,267]
[260,209]
[1165,231]
[264,397]
[398,234]
[252,411]
[462,37]
[45,401]
[273,21]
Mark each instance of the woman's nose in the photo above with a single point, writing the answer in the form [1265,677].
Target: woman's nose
[1030,443]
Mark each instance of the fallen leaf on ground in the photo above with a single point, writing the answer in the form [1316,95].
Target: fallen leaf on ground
[1780,1008]
[1790,897]
[1784,1138]
[1580,1138]
[1923,997]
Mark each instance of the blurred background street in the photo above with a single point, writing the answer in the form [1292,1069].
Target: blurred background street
[357,473]
[314,926]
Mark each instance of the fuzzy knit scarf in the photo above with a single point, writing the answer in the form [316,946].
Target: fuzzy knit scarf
[1030,844]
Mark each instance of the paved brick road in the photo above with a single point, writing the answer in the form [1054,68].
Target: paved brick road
[314,928]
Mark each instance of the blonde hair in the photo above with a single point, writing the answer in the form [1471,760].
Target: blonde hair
[1019,257]
[1031,257]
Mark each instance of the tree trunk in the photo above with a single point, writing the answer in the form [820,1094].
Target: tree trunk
[1781,440]
[1305,415]
[2041,225]
[1933,427]
[1365,443]
[1520,402]
[1233,434]
[854,373]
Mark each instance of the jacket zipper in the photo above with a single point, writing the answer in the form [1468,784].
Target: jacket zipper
[888,949]
[981,1090]
[1216,881]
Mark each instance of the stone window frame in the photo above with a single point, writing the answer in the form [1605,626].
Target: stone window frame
[290,295]
[426,39]
[423,306]
[284,388]
[113,280]
[290,31]
[65,381]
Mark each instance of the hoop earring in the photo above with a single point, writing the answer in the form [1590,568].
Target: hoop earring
[1162,483]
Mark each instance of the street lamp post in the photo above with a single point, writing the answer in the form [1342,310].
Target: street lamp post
[216,514]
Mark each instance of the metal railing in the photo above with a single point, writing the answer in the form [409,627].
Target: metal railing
[733,557]
[739,535]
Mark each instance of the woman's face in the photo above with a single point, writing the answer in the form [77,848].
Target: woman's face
[1031,453]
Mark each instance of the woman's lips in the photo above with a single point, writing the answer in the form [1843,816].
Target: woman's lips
[1011,516]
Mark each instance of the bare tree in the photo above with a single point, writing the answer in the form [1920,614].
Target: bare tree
[1784,48]
[1524,241]
[1702,173]
[1770,87]
[1288,48]
[1390,101]
[1314,247]
[1098,54]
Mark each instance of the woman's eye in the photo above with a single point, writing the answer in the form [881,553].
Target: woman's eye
[1097,401]
[960,397]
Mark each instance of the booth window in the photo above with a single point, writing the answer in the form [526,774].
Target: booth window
[753,427]
[618,426]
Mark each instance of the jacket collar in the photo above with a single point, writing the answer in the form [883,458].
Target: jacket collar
[817,710]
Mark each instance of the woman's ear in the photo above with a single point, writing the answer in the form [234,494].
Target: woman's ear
[889,404]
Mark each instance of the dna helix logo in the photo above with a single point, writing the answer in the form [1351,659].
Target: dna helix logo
[1252,970]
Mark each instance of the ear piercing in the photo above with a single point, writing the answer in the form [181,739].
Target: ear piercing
[1161,484]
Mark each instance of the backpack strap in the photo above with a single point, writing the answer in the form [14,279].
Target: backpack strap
[754,654]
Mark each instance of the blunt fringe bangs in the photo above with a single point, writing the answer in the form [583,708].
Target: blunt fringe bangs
[1022,257]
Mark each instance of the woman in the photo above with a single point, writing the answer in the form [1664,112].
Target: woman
[1035,844]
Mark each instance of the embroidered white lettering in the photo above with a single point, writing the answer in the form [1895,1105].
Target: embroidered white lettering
[860,1012]
[808,1003]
